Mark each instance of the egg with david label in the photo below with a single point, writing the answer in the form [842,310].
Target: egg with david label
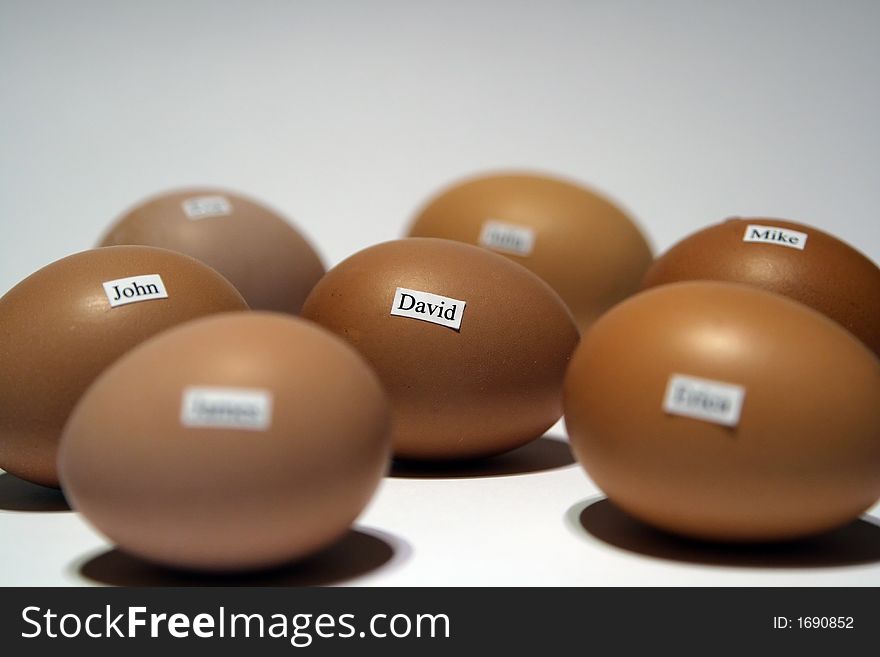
[471,347]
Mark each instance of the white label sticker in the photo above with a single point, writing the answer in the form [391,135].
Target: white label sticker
[207,206]
[227,408]
[793,239]
[499,236]
[428,307]
[123,291]
[704,399]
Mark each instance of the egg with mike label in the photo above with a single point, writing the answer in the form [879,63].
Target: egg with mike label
[795,260]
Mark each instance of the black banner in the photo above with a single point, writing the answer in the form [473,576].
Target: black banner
[435,621]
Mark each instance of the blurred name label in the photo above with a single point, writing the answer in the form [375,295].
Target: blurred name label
[226,408]
[704,399]
[201,207]
[508,238]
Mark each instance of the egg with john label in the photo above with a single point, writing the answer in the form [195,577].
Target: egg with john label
[471,347]
[586,247]
[61,326]
[255,248]
[234,442]
[720,411]
[798,261]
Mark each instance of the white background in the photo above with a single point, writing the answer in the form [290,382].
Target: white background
[346,116]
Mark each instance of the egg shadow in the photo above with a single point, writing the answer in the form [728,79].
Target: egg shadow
[20,495]
[360,552]
[545,453]
[855,543]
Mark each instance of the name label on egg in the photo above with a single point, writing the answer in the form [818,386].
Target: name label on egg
[793,239]
[428,307]
[226,408]
[146,287]
[704,399]
[508,238]
[201,207]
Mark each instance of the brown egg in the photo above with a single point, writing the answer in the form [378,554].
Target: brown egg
[584,246]
[471,347]
[260,253]
[720,411]
[234,442]
[798,261]
[61,326]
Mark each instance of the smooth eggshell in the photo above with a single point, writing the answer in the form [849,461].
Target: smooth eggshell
[58,332]
[229,498]
[805,454]
[261,254]
[828,275]
[489,387]
[587,248]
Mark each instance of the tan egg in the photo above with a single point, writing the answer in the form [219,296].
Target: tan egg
[260,253]
[588,249]
[235,442]
[720,411]
[795,260]
[471,347]
[64,324]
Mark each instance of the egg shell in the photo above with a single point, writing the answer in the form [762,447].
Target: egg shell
[58,331]
[587,248]
[257,250]
[826,273]
[804,456]
[486,388]
[191,492]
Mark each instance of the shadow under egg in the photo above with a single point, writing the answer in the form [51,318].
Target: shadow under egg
[855,543]
[20,495]
[358,553]
[545,453]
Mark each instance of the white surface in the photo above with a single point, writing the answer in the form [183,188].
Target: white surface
[347,115]
[496,531]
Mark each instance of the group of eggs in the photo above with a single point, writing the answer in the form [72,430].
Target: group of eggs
[729,390]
